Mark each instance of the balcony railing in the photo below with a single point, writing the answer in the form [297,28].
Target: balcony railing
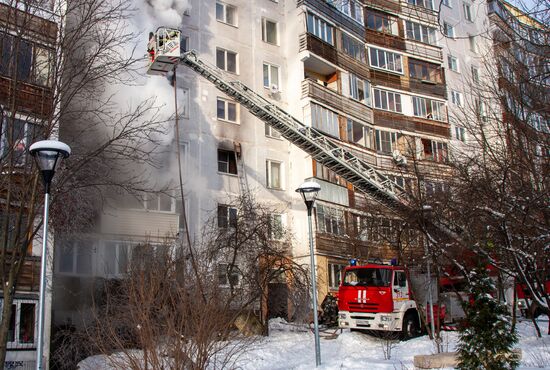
[339,102]
[29,98]
[424,50]
[419,12]
[333,55]
[411,124]
[392,6]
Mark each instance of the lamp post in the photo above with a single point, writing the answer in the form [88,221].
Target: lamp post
[309,191]
[48,155]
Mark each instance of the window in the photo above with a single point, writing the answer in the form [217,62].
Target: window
[448,30]
[275,229]
[428,4]
[447,3]
[425,71]
[271,76]
[360,134]
[320,28]
[351,8]
[226,13]
[353,47]
[330,220]
[381,23]
[227,162]
[184,43]
[456,98]
[228,274]
[475,74]
[460,133]
[226,60]
[429,109]
[271,132]
[160,202]
[226,110]
[434,150]
[420,32]
[274,174]
[227,216]
[75,257]
[473,44]
[324,120]
[17,135]
[453,63]
[269,31]
[386,141]
[387,100]
[117,257]
[467,11]
[359,89]
[482,110]
[34,63]
[335,271]
[386,60]
[22,324]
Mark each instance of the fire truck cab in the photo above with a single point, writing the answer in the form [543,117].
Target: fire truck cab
[378,297]
[164,51]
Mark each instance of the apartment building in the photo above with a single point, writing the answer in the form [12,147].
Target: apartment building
[28,35]
[385,79]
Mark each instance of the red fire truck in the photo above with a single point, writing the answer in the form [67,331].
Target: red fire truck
[379,297]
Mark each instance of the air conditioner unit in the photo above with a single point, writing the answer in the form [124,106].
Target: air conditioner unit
[399,158]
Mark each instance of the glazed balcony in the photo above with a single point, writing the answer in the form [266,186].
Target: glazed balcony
[312,89]
[423,50]
[334,15]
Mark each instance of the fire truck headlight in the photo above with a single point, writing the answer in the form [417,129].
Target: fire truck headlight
[342,316]
[385,318]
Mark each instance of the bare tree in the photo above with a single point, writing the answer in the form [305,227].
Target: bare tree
[55,69]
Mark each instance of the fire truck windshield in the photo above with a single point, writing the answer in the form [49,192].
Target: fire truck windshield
[368,277]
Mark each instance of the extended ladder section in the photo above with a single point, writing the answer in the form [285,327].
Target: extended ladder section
[354,170]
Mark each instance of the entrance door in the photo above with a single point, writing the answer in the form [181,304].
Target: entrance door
[277,301]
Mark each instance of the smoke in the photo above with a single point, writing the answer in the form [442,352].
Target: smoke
[167,12]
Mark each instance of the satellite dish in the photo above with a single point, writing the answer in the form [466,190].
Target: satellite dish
[274,89]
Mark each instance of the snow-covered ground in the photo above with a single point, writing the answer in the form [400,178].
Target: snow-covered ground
[292,347]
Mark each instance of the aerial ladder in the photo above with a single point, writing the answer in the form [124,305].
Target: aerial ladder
[343,162]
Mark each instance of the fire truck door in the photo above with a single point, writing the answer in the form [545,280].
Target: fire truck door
[400,288]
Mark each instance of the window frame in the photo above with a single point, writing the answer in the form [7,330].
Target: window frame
[230,163]
[334,216]
[420,33]
[226,103]
[367,134]
[453,63]
[457,98]
[355,89]
[16,343]
[118,246]
[228,219]
[269,179]
[226,53]
[448,30]
[265,34]
[467,9]
[335,273]
[322,29]
[270,67]
[383,96]
[225,7]
[271,132]
[235,274]
[387,55]
[76,252]
[275,230]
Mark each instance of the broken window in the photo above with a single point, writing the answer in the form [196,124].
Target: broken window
[227,216]
[227,162]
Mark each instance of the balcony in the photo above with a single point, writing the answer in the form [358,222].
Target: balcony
[389,6]
[331,98]
[423,50]
[29,279]
[411,124]
[310,43]
[384,39]
[29,98]
[419,12]
[334,15]
[422,86]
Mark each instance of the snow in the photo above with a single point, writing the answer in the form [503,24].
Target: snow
[292,346]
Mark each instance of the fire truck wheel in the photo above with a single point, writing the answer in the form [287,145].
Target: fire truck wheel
[411,328]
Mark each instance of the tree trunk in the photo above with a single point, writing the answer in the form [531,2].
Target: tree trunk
[4,325]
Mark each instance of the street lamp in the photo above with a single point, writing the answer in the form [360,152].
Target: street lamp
[48,155]
[309,191]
